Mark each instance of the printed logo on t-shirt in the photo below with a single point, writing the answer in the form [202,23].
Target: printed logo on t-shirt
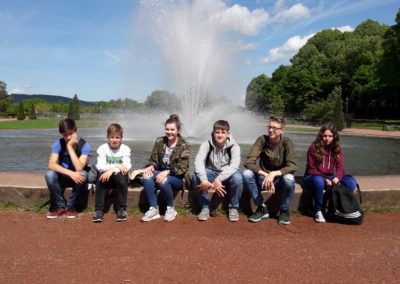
[114,159]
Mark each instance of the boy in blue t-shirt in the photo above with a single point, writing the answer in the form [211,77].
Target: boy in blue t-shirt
[67,162]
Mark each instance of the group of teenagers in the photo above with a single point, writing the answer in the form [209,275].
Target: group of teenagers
[269,166]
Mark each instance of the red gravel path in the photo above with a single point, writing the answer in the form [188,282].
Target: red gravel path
[36,250]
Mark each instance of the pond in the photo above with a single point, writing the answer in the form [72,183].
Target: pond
[29,150]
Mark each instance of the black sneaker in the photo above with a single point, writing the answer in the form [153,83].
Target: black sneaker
[97,216]
[284,218]
[261,213]
[121,215]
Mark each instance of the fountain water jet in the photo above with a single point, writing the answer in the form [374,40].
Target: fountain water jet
[197,56]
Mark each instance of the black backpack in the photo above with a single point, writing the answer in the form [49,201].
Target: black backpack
[343,207]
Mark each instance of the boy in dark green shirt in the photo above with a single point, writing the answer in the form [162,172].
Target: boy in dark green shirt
[274,171]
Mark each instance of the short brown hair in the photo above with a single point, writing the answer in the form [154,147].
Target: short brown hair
[67,125]
[115,128]
[221,124]
[277,119]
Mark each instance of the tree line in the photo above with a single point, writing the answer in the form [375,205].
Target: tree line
[360,69]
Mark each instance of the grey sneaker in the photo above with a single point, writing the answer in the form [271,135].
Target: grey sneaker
[233,215]
[204,214]
[170,214]
[319,218]
[284,218]
[97,216]
[151,214]
[122,215]
[261,213]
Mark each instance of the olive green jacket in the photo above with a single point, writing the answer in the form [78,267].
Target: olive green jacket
[179,160]
[272,158]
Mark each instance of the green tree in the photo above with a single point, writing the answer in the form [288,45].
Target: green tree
[32,112]
[257,94]
[74,108]
[337,116]
[277,105]
[4,97]
[162,100]
[21,112]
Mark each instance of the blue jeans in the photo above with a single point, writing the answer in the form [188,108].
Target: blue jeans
[283,184]
[150,187]
[234,184]
[317,184]
[55,183]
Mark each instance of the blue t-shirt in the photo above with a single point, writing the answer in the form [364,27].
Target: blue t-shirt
[64,158]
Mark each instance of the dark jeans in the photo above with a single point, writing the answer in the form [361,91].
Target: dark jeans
[119,183]
[57,182]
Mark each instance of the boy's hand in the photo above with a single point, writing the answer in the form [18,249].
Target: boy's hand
[77,177]
[122,169]
[104,177]
[73,141]
[205,186]
[219,188]
[268,183]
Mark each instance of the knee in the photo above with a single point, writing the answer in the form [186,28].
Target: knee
[51,176]
[248,175]
[236,178]
[318,182]
[289,180]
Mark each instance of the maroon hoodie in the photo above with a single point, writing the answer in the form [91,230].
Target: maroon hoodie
[327,167]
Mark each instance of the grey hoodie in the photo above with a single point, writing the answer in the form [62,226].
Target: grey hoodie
[218,160]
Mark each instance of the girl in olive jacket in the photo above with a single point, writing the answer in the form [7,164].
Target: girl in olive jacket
[166,170]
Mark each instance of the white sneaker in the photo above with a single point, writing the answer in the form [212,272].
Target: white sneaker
[151,214]
[204,214]
[170,214]
[319,217]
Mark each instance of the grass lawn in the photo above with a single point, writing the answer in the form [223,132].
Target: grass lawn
[43,124]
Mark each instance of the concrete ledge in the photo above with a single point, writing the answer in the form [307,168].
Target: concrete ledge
[25,189]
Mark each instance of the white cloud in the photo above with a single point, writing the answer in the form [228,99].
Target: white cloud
[239,19]
[287,50]
[20,90]
[344,29]
[295,13]
[115,58]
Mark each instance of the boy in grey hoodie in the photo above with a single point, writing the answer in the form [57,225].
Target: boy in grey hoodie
[217,168]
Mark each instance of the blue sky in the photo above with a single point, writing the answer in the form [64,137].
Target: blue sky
[95,48]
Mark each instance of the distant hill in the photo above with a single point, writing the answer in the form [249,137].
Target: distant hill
[16,98]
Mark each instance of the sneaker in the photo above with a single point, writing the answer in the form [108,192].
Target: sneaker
[97,216]
[151,214]
[56,213]
[204,214]
[284,218]
[319,218]
[121,215]
[170,214]
[233,215]
[71,214]
[261,213]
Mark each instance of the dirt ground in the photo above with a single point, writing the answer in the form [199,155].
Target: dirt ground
[37,250]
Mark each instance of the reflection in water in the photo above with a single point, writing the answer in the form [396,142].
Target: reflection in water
[29,151]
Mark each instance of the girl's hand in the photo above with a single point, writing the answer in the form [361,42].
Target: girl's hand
[148,171]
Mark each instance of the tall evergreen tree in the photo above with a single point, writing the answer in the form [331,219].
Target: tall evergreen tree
[32,112]
[73,109]
[21,112]
[4,97]
[337,116]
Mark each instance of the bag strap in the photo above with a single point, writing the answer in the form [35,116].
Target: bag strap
[359,194]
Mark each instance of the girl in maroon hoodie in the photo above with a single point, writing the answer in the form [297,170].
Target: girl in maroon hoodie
[325,166]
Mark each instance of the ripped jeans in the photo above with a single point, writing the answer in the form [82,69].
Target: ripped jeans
[284,185]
